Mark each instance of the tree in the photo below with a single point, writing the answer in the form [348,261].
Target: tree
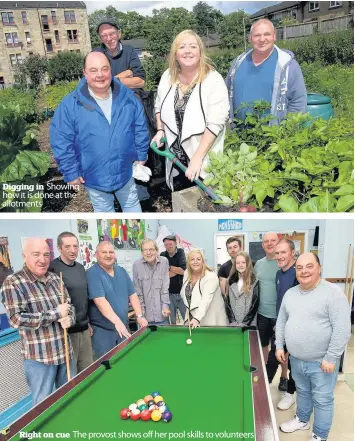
[231,29]
[66,66]
[163,27]
[207,18]
[32,71]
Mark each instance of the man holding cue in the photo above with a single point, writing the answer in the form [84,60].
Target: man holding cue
[32,300]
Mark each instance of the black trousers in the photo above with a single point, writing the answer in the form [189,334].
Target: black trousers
[273,363]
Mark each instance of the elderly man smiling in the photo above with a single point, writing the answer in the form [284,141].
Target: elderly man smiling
[96,134]
[32,299]
[314,322]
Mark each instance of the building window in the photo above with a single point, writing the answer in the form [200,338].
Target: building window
[313,6]
[7,18]
[49,45]
[57,40]
[334,4]
[15,59]
[72,36]
[24,17]
[44,19]
[54,17]
[2,83]
[12,39]
[28,38]
[69,17]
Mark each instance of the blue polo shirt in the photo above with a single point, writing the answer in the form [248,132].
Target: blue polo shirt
[284,281]
[253,83]
[116,290]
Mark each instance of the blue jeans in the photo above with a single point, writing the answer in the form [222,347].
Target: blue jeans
[176,303]
[103,340]
[41,378]
[315,390]
[164,322]
[127,196]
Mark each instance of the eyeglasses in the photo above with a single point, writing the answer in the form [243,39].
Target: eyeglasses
[108,35]
[148,250]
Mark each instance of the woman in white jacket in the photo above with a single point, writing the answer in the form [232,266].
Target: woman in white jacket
[201,293]
[191,107]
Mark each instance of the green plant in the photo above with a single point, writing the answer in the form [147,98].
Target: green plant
[51,96]
[21,162]
[24,99]
[66,66]
[304,165]
[32,71]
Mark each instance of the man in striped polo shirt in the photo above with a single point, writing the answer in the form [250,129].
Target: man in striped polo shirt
[32,300]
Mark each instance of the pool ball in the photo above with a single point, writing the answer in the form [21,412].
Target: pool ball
[155,394]
[145,415]
[150,402]
[158,398]
[135,415]
[147,399]
[139,402]
[160,403]
[153,407]
[132,406]
[125,413]
[189,341]
[167,416]
[156,415]
[163,408]
[142,407]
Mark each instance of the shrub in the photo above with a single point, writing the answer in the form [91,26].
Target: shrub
[335,81]
[66,66]
[24,99]
[154,68]
[32,72]
[51,96]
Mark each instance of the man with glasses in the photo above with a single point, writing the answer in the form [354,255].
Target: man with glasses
[314,323]
[125,64]
[151,281]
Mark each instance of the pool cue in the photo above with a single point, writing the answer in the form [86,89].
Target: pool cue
[347,272]
[188,320]
[351,281]
[65,332]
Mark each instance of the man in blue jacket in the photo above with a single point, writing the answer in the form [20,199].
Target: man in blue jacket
[96,134]
[266,72]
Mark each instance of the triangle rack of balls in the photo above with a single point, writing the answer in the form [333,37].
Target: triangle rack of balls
[151,407]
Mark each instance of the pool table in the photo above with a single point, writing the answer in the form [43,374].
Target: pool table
[215,389]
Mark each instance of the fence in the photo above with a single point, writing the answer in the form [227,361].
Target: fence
[322,26]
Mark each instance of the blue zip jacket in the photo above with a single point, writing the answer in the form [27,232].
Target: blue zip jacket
[85,144]
[289,92]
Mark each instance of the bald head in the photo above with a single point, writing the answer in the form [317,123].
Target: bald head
[270,241]
[97,71]
[308,271]
[36,255]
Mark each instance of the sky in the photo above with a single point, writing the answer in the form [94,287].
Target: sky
[146,7]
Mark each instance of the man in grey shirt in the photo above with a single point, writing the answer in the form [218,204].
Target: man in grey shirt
[314,322]
[151,281]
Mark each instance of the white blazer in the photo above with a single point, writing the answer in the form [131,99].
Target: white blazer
[207,304]
[208,107]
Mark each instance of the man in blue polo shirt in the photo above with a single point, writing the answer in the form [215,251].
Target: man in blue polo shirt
[285,279]
[268,73]
[110,290]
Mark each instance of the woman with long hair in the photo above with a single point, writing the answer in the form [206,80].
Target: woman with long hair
[191,107]
[201,293]
[242,295]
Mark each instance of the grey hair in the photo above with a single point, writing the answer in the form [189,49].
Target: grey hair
[144,241]
[261,21]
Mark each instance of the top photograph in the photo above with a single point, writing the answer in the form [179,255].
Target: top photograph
[187,106]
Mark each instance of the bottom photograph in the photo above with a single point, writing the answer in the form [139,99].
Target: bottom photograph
[177,329]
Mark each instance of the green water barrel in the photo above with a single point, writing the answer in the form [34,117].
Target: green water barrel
[319,106]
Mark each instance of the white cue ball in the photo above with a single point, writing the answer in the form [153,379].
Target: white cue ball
[189,341]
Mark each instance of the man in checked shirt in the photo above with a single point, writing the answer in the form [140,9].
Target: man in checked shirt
[32,299]
[151,281]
